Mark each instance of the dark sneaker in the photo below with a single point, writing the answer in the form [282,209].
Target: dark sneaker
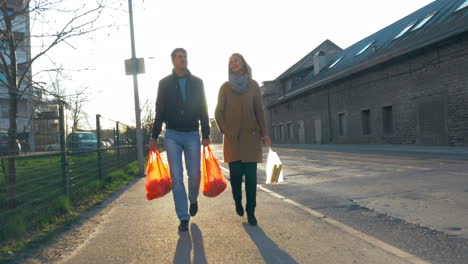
[193,209]
[251,219]
[183,227]
[239,208]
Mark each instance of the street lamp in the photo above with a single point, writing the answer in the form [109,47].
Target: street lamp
[135,71]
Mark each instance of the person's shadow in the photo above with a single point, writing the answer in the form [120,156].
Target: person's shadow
[198,246]
[184,247]
[187,241]
[271,253]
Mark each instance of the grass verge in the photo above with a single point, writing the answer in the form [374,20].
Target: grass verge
[27,245]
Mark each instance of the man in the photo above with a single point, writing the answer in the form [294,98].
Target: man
[181,105]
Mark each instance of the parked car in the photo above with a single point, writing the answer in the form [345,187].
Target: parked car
[105,144]
[123,142]
[52,147]
[4,145]
[109,142]
[82,141]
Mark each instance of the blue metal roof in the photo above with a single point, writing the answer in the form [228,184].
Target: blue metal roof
[445,23]
[307,61]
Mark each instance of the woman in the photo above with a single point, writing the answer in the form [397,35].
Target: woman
[240,117]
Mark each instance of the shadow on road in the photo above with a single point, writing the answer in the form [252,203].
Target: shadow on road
[187,241]
[184,246]
[271,253]
[198,245]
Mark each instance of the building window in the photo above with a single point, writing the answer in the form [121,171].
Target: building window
[423,22]
[290,131]
[366,122]
[4,113]
[338,60]
[465,4]
[4,46]
[366,47]
[288,86]
[9,10]
[282,132]
[387,119]
[3,79]
[405,30]
[342,124]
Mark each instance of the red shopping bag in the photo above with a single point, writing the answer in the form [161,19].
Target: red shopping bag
[213,181]
[158,179]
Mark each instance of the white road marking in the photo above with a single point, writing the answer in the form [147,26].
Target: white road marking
[226,170]
[369,239]
[457,173]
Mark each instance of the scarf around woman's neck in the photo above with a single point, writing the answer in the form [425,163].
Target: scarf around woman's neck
[239,83]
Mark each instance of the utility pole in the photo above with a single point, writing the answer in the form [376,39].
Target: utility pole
[139,137]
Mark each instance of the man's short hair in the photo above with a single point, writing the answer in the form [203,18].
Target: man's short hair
[173,54]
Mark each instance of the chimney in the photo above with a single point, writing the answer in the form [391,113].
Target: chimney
[319,62]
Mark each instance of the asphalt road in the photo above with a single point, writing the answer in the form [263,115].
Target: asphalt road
[418,203]
[129,229]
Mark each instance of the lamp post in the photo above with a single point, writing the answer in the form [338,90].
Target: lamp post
[139,138]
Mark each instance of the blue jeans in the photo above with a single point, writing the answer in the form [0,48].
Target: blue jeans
[177,142]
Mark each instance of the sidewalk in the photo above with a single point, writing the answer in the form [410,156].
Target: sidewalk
[399,150]
[133,230]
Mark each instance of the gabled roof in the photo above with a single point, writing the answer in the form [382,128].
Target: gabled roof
[445,22]
[307,62]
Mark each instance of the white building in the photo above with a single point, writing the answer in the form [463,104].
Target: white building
[21,32]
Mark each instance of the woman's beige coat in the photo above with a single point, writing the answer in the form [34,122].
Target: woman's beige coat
[241,119]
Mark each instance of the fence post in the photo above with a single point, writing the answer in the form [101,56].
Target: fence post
[66,184]
[99,153]
[128,142]
[118,138]
[114,146]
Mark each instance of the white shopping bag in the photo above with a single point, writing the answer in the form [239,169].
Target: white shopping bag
[274,168]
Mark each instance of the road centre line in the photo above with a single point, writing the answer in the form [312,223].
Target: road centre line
[369,239]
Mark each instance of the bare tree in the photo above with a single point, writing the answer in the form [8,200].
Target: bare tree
[76,19]
[148,118]
[75,104]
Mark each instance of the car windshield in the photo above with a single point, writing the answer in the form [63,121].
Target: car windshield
[86,136]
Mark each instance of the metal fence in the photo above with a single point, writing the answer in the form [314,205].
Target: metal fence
[71,166]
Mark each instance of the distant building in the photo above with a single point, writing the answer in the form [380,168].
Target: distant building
[23,55]
[45,126]
[405,84]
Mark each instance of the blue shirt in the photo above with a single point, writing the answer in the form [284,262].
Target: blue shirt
[183,88]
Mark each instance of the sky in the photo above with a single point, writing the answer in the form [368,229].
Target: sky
[271,35]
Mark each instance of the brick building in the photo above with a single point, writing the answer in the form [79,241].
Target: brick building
[46,126]
[405,84]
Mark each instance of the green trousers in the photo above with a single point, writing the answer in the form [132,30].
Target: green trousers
[237,170]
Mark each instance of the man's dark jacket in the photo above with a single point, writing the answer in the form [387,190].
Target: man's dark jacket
[177,115]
